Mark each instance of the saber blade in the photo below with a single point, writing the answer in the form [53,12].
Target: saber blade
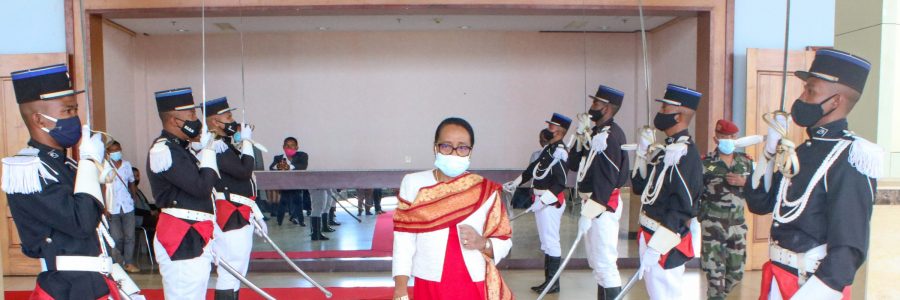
[231,270]
[327,293]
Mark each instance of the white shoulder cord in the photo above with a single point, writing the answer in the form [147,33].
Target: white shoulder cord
[799,205]
[656,180]
[584,165]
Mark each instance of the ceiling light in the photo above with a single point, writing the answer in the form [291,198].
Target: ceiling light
[604,27]
[182,30]
[464,27]
[323,28]
[575,25]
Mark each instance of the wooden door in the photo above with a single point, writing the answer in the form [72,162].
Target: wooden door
[13,137]
[764,76]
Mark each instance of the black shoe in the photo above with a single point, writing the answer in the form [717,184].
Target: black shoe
[612,293]
[359,213]
[553,266]
[539,288]
[224,295]
[368,213]
[302,224]
[325,227]
[294,220]
[331,218]
[265,218]
[378,212]
[315,229]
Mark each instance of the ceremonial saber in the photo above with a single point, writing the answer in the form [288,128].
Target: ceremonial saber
[231,270]
[327,293]
[630,284]
[203,61]
[338,201]
[561,266]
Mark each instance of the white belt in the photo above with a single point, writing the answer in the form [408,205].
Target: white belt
[97,264]
[242,201]
[649,223]
[806,262]
[538,192]
[188,214]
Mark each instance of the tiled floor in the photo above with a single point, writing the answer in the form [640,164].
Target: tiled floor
[358,236]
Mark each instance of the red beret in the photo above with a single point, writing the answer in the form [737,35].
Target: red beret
[726,127]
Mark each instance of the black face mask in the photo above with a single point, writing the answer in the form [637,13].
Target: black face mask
[807,114]
[231,128]
[596,114]
[191,128]
[546,134]
[664,121]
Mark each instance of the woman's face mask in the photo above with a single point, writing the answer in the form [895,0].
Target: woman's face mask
[451,165]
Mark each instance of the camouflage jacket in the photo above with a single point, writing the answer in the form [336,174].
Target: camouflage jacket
[718,194]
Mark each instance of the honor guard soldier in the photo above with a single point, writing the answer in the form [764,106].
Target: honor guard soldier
[670,195]
[182,187]
[821,212]
[57,204]
[549,174]
[235,195]
[602,168]
[724,244]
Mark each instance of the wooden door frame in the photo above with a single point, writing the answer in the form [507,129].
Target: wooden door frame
[797,59]
[715,29]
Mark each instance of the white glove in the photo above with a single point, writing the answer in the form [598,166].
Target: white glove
[598,142]
[560,154]
[511,186]
[208,160]
[645,139]
[584,224]
[584,124]
[261,228]
[774,137]
[206,139]
[650,257]
[91,147]
[246,131]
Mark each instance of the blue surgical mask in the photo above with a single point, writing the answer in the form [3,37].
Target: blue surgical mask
[236,137]
[451,165]
[726,146]
[116,156]
[67,132]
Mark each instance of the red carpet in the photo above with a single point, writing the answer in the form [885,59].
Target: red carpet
[361,293]
[382,245]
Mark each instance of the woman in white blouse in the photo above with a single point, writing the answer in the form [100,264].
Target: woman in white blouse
[450,228]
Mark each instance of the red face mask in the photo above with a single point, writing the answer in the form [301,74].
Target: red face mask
[289,151]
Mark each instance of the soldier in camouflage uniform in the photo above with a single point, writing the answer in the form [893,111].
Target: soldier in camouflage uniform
[722,213]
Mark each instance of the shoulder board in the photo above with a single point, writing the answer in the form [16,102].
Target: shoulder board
[866,157]
[220,146]
[23,172]
[160,156]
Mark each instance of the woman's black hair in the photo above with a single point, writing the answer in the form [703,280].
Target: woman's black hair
[458,122]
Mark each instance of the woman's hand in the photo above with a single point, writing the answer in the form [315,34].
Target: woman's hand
[470,238]
[400,287]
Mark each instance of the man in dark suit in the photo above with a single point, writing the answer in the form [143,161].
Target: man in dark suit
[292,159]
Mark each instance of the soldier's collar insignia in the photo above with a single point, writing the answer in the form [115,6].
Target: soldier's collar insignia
[822,131]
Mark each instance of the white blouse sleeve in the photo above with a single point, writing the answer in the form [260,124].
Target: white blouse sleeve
[404,242]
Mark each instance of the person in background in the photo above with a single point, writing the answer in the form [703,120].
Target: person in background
[145,213]
[262,199]
[724,232]
[522,195]
[291,160]
[377,194]
[121,218]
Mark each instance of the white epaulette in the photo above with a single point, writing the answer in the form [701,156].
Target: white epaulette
[23,172]
[220,146]
[866,157]
[160,156]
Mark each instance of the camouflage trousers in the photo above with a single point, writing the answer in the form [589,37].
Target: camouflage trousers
[724,247]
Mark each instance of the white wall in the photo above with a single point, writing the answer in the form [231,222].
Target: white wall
[367,100]
[37,26]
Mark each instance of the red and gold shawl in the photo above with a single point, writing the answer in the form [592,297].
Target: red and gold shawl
[446,203]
